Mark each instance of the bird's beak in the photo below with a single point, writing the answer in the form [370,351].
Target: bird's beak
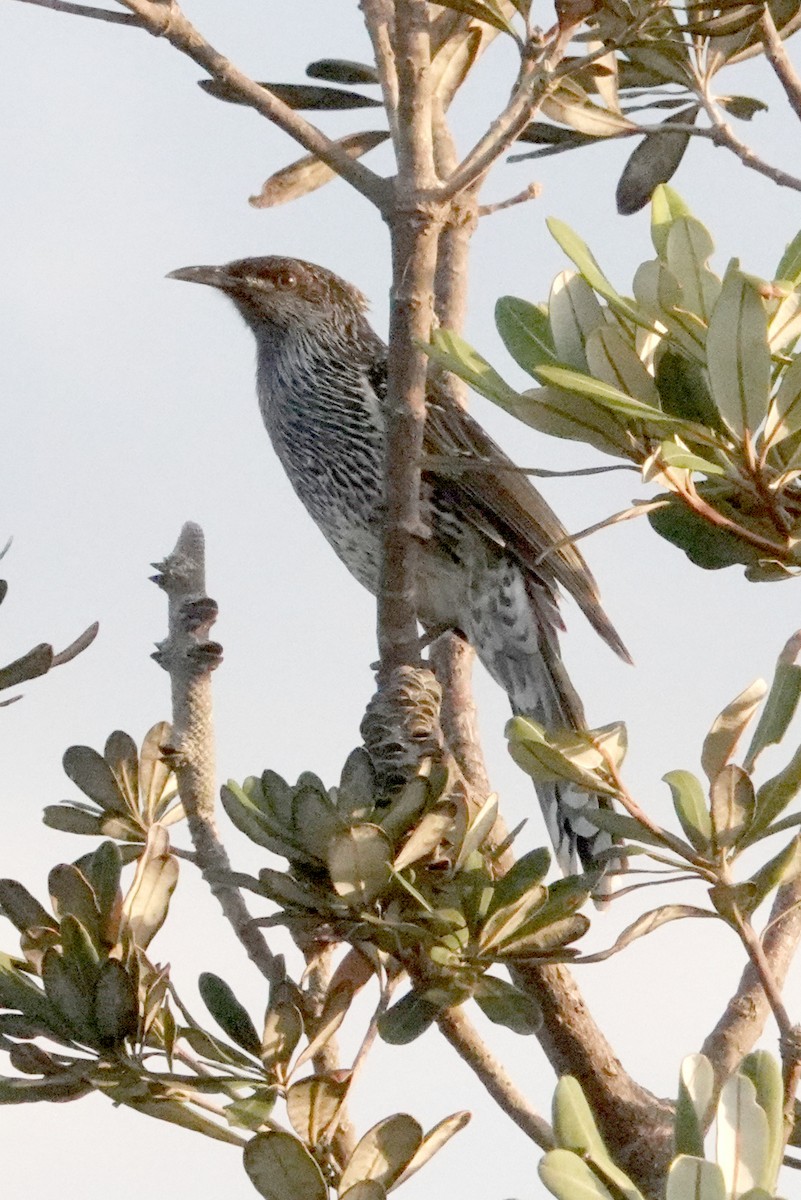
[213,276]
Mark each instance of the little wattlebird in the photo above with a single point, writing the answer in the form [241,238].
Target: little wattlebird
[321,380]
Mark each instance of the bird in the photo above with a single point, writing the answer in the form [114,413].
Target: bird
[495,554]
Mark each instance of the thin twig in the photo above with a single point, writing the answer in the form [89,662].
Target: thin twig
[458,1030]
[778,58]
[168,21]
[83,10]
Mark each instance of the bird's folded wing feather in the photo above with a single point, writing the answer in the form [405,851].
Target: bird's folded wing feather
[504,504]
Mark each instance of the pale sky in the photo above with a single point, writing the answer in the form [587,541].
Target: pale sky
[129,408]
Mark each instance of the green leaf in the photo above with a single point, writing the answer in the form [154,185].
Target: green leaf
[689,246]
[569,1177]
[433,1141]
[340,70]
[407,1019]
[743,1145]
[526,332]
[654,161]
[781,703]
[575,1129]
[732,806]
[454,354]
[693,1105]
[505,920]
[281,1168]
[315,821]
[605,394]
[706,545]
[666,207]
[647,923]
[425,837]
[92,774]
[780,869]
[116,1005]
[776,793]
[337,1002]
[103,871]
[738,355]
[728,727]
[528,871]
[546,936]
[69,995]
[365,1189]
[785,324]
[71,893]
[227,1011]
[504,1004]
[565,415]
[252,1112]
[784,414]
[156,780]
[789,266]
[283,1029]
[622,826]
[384,1152]
[299,96]
[683,390]
[359,863]
[673,454]
[573,313]
[612,359]
[696,1178]
[579,253]
[148,899]
[312,1104]
[22,909]
[765,1073]
[691,808]
[357,787]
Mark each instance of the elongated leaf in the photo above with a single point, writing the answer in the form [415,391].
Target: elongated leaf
[456,355]
[738,355]
[691,808]
[765,1073]
[433,1141]
[569,1177]
[566,415]
[71,893]
[407,1019]
[574,313]
[544,936]
[743,1141]
[696,1088]
[22,909]
[69,819]
[428,834]
[227,1011]
[147,902]
[384,1152]
[728,727]
[505,920]
[337,1002]
[359,864]
[504,1004]
[579,253]
[529,870]
[312,1104]
[281,1168]
[526,332]
[775,794]
[687,252]
[92,774]
[784,416]
[115,1009]
[575,1129]
[733,804]
[647,923]
[695,1177]
[666,207]
[300,96]
[605,394]
[785,324]
[612,358]
[283,1029]
[655,160]
[341,70]
[683,390]
[780,869]
[156,779]
[781,703]
[489,13]
[69,995]
[309,173]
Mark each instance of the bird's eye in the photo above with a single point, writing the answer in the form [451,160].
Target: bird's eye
[285,279]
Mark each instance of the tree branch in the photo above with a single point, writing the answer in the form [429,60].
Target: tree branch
[189,658]
[778,58]
[414,228]
[83,10]
[379,19]
[168,21]
[457,1029]
[747,1011]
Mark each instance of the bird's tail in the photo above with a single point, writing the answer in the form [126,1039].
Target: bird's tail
[519,647]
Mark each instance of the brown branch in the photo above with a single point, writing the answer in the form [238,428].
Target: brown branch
[189,657]
[778,58]
[722,134]
[636,1126]
[458,1030]
[379,18]
[414,228]
[83,10]
[747,1011]
[168,21]
[326,1061]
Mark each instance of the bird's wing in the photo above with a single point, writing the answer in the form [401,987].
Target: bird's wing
[501,501]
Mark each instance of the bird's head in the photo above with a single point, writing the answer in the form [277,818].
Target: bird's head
[277,296]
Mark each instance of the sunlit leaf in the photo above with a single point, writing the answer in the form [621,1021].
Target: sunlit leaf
[281,1168]
[738,355]
[312,1104]
[384,1152]
[728,727]
[691,808]
[693,1104]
